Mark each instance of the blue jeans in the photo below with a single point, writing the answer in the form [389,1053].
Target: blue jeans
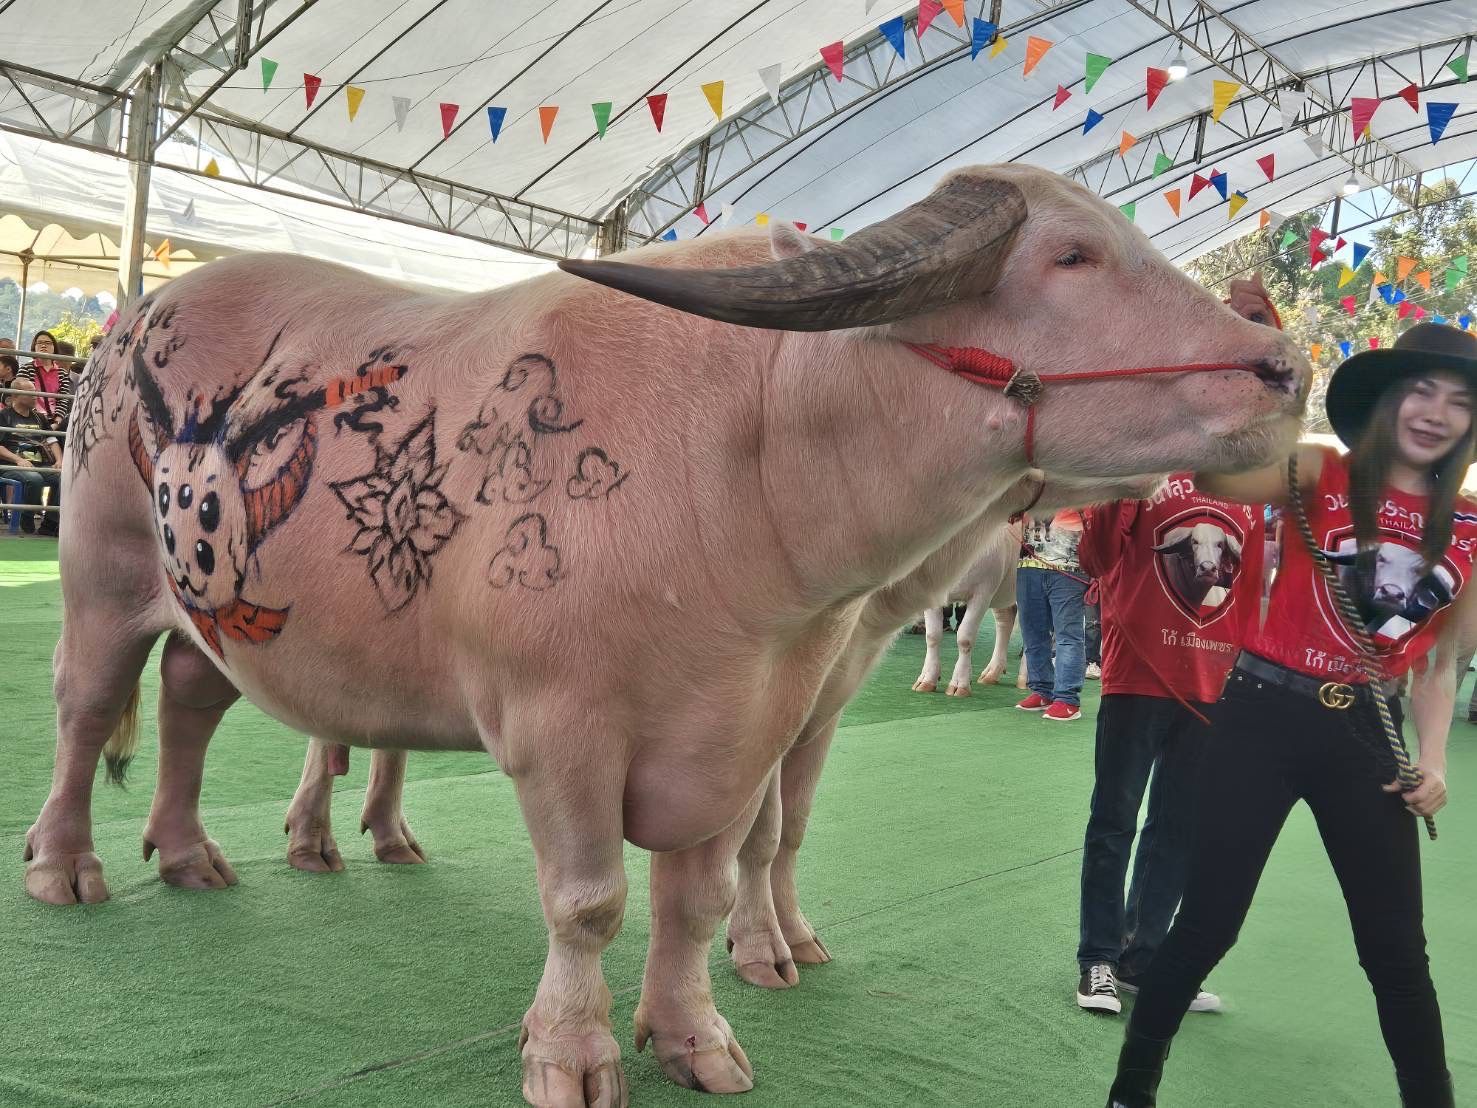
[1051,603]
[1137,735]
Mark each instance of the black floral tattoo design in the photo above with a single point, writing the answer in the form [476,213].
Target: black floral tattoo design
[595,475]
[527,556]
[88,424]
[403,516]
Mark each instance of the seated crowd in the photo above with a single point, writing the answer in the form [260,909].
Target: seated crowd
[38,400]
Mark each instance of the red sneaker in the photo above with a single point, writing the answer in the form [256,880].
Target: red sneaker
[1060,711]
[1033,703]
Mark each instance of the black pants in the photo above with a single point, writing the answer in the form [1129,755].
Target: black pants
[1270,748]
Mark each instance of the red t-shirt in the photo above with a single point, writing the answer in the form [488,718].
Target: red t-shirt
[1179,581]
[1408,606]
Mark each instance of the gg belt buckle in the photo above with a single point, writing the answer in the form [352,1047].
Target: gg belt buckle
[1335,694]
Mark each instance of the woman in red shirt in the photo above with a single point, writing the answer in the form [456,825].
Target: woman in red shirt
[1391,520]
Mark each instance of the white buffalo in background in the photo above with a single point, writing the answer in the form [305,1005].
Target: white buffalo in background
[1401,595]
[1201,562]
[988,583]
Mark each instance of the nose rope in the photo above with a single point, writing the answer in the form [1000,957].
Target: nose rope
[983,367]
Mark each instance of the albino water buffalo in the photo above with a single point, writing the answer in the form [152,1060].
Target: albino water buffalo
[1201,561]
[989,582]
[381,520]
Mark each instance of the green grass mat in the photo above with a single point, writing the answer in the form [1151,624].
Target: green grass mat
[941,868]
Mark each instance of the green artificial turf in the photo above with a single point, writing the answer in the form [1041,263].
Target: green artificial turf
[941,868]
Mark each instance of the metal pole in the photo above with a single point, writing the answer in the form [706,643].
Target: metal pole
[143,120]
[20,320]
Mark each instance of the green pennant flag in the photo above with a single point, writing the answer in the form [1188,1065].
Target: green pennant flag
[269,70]
[1460,262]
[1454,278]
[1162,161]
[1459,67]
[1130,209]
[1288,238]
[837,234]
[602,116]
[1097,65]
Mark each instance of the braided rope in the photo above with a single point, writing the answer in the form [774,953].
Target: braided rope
[1408,775]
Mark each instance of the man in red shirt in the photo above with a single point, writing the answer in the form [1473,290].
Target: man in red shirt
[1179,578]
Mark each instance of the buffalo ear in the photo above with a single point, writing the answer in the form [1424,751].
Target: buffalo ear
[788,241]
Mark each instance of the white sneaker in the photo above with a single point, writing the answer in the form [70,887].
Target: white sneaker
[1094,672]
[1203,1002]
[1097,991]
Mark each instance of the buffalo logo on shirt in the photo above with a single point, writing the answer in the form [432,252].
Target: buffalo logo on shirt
[1198,555]
[1401,594]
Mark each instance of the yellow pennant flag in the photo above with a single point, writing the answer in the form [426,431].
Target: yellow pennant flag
[353,96]
[211,169]
[1403,267]
[1036,49]
[1345,275]
[161,253]
[1315,349]
[1125,144]
[998,47]
[1238,199]
[1224,93]
[1424,277]
[1173,196]
[762,219]
[713,90]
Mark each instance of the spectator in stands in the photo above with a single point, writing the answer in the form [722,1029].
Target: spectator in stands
[29,452]
[1049,591]
[50,377]
[10,369]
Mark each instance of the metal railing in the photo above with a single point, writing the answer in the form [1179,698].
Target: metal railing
[13,509]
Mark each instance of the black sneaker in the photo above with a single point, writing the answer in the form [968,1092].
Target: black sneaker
[1097,990]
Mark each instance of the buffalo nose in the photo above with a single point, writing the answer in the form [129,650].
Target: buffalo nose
[1278,373]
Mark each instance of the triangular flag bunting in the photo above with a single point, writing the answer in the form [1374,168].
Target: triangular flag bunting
[602,116]
[1268,164]
[310,87]
[1316,145]
[1315,349]
[1219,181]
[1291,102]
[832,55]
[1155,81]
[1125,144]
[1361,111]
[657,102]
[1438,115]
[1316,238]
[713,90]
[1223,92]
[1420,312]
[1130,209]
[1062,93]
[353,96]
[161,253]
[1173,196]
[1403,266]
[495,117]
[1093,119]
[1423,278]
[725,215]
[955,8]
[701,211]
[800,226]
[984,32]
[1387,293]
[895,32]
[1374,342]
[1411,94]
[1438,318]
[1310,313]
[546,114]
[448,118]
[928,11]
[1350,306]
[1197,183]
[770,75]
[269,70]
[211,169]
[1380,278]
[762,219]
[1036,49]
[1397,296]
[669,235]
[1458,66]
[1454,277]
[837,234]
[1346,348]
[1464,321]
[1345,275]
[1238,199]
[1097,65]
[402,109]
[1289,237]
[1360,252]
[998,46]
[1162,161]
[1266,218]
[1460,262]
[1403,310]
[1340,244]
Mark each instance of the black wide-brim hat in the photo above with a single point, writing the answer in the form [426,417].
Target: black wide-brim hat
[1361,380]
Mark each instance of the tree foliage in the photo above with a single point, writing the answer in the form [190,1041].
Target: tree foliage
[46,311]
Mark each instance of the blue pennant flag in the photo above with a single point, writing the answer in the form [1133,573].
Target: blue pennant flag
[984,34]
[1219,181]
[495,117]
[1464,320]
[670,235]
[1438,115]
[1093,119]
[1399,296]
[894,30]
[1345,348]
[1387,293]
[1438,319]
[1360,250]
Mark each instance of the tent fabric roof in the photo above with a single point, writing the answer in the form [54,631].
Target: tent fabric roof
[858,167]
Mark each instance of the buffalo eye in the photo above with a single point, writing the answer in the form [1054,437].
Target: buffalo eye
[169,538]
[186,495]
[205,556]
[163,499]
[1070,258]
[210,512]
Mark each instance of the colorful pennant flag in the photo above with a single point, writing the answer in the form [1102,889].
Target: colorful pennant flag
[1162,161]
[713,90]
[1268,163]
[495,117]
[1197,183]
[1411,94]
[1238,200]
[1155,81]
[1173,196]
[955,8]
[602,116]
[657,102]
[1316,238]
[269,70]
[1361,111]
[1403,310]
[1438,115]
[1062,93]
[1346,348]
[1223,93]
[1374,342]
[402,109]
[310,87]
[1315,349]
[1289,237]
[1423,278]
[1093,119]
[833,56]
[1264,219]
[669,235]
[546,114]
[1218,179]
[211,169]
[837,234]
[1036,49]
[762,219]
[1316,145]
[1345,275]
[161,253]
[1350,306]
[1420,313]
[353,97]
[1387,293]
[1130,209]
[800,226]
[701,211]
[448,119]
[725,215]
[1125,144]
[895,32]
[984,34]
[1097,65]
[1464,321]
[1460,262]
[1454,277]
[1403,266]
[1458,65]
[1438,318]
[770,75]
[1360,251]
[998,46]
[928,11]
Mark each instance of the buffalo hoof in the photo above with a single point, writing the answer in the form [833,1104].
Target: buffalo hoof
[393,841]
[697,1053]
[810,952]
[196,865]
[959,690]
[60,877]
[1020,682]
[571,1072]
[921,685]
[763,959]
[991,676]
[312,849]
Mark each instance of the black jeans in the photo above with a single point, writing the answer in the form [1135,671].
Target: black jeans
[1270,748]
[1092,615]
[1137,735]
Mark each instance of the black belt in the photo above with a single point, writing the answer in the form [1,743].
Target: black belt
[1331,694]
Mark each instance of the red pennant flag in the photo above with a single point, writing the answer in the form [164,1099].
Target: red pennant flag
[1350,304]
[1412,96]
[1061,97]
[800,226]
[1157,79]
[832,55]
[1197,183]
[1404,309]
[701,211]
[1374,342]
[1269,165]
[310,86]
[1339,245]
[1315,241]
[1362,109]
[658,105]
[448,117]
[1420,313]
[928,11]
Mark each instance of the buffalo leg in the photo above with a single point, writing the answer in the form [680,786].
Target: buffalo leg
[193,696]
[309,821]
[382,814]
[933,631]
[758,948]
[1004,624]
[800,774]
[960,683]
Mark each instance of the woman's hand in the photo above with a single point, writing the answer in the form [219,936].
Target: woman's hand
[1429,797]
[1249,300]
